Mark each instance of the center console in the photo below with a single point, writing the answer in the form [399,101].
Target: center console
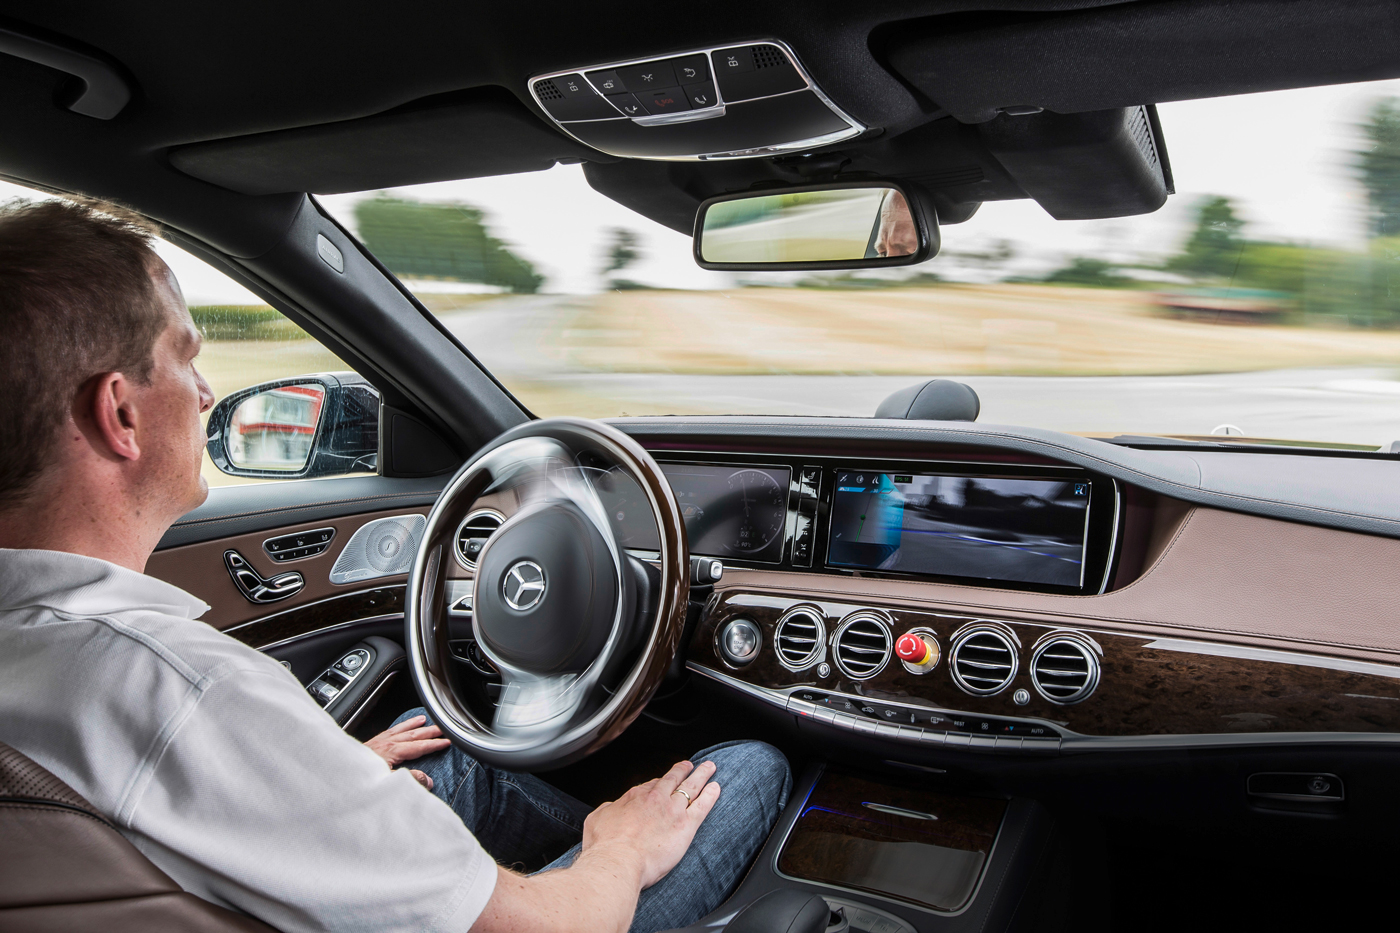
[892,856]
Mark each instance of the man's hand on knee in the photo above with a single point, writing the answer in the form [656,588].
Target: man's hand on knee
[655,821]
[407,741]
[628,845]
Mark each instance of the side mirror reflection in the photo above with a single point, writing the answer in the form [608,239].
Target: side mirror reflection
[273,430]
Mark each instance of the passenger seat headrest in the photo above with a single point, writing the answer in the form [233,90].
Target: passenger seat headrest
[935,400]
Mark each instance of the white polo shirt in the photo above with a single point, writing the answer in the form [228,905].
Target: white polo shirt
[214,762]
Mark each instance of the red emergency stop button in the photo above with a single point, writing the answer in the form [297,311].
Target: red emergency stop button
[911,648]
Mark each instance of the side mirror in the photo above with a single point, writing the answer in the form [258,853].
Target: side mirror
[850,225]
[326,424]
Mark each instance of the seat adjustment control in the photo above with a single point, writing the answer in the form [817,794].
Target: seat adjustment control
[254,586]
[299,545]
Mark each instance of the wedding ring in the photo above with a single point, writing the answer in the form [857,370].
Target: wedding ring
[683,794]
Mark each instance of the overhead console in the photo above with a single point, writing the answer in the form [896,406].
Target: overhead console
[712,103]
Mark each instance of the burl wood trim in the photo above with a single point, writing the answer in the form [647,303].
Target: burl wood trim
[834,817]
[1143,690]
[1222,576]
[199,569]
[304,620]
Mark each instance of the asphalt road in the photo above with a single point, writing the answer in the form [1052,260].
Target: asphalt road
[1344,405]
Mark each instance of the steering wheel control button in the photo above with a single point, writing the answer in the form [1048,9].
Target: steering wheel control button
[917,651]
[701,95]
[524,586]
[740,641]
[650,76]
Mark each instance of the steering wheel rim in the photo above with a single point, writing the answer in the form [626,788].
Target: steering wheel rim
[426,610]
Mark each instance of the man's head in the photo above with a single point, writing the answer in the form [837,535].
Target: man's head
[100,394]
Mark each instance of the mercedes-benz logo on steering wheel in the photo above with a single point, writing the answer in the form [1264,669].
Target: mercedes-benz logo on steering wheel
[523,587]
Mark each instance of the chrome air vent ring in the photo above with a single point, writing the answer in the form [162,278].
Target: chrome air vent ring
[800,638]
[1065,668]
[984,659]
[479,523]
[862,644]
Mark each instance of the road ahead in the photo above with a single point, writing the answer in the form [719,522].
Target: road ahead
[519,340]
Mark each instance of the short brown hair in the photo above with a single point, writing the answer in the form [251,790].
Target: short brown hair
[76,300]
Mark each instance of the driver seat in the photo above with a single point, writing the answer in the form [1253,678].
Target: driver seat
[64,867]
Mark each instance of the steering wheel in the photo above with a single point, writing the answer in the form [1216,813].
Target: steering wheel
[581,631]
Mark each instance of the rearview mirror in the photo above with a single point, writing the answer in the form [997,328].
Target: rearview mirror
[856,225]
[325,424]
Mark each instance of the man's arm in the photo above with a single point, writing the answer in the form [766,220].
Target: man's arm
[628,845]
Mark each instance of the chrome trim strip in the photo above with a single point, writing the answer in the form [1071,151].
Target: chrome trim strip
[1245,652]
[853,126]
[1069,742]
[1111,561]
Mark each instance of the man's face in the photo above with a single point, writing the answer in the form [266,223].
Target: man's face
[170,433]
[897,235]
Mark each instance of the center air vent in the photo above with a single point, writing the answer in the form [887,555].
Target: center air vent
[800,638]
[1064,670]
[472,535]
[862,645]
[983,660]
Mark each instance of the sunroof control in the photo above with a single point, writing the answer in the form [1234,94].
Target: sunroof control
[716,103]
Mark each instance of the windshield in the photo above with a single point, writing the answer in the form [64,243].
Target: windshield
[1262,301]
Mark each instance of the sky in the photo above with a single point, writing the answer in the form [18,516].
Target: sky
[1283,156]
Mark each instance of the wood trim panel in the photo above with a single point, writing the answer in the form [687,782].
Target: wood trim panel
[1148,685]
[328,613]
[199,569]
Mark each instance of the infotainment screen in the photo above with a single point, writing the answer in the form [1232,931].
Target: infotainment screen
[992,528]
[729,511]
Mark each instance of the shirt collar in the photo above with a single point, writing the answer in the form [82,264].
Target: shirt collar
[86,586]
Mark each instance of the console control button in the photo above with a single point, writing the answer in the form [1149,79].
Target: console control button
[733,61]
[607,82]
[664,100]
[702,95]
[691,69]
[648,76]
[628,104]
[570,97]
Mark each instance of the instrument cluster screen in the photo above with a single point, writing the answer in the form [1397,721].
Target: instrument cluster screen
[992,528]
[729,511]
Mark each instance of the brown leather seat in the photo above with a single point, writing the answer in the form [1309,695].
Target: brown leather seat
[64,867]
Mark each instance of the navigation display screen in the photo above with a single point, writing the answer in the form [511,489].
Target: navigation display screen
[729,511]
[1017,530]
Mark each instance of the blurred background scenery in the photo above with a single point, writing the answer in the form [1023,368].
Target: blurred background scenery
[1263,299]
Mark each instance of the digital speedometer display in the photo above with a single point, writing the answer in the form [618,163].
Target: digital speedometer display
[729,510]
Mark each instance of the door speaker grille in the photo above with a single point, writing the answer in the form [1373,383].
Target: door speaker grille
[382,548]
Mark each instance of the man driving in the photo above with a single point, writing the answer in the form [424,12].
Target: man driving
[208,755]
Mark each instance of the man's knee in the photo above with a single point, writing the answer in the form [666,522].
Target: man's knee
[753,767]
[416,711]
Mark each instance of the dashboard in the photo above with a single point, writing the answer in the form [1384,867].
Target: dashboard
[930,597]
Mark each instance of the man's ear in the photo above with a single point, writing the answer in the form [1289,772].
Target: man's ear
[111,406]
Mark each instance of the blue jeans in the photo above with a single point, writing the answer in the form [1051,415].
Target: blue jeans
[523,821]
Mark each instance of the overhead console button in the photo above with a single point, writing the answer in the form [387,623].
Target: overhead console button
[755,71]
[628,104]
[664,100]
[649,76]
[569,97]
[607,82]
[701,95]
[691,69]
[733,61]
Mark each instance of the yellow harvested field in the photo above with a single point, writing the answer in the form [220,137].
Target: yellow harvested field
[955,329]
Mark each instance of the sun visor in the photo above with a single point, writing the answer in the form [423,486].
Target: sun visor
[1084,166]
[449,137]
[976,65]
